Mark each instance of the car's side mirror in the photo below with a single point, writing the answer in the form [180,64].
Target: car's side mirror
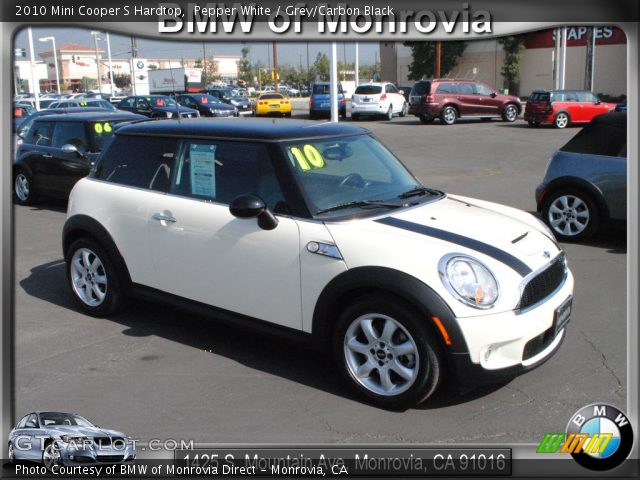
[401,92]
[69,148]
[597,102]
[252,206]
[494,94]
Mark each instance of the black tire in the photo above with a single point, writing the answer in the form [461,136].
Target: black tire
[389,115]
[25,193]
[287,115]
[562,120]
[311,116]
[355,117]
[426,120]
[50,449]
[533,124]
[405,110]
[510,113]
[343,114]
[581,203]
[114,297]
[448,115]
[429,365]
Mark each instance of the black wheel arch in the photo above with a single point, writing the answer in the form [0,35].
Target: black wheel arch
[580,184]
[83,226]
[347,286]
[22,166]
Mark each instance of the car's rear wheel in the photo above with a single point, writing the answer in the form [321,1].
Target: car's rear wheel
[50,456]
[562,120]
[510,113]
[93,278]
[355,117]
[24,190]
[386,353]
[389,115]
[449,115]
[405,110]
[571,214]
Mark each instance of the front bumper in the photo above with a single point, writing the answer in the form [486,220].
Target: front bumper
[508,344]
[94,455]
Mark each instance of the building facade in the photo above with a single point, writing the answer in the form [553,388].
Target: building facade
[482,60]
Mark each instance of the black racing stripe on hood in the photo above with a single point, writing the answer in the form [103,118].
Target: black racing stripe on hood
[467,242]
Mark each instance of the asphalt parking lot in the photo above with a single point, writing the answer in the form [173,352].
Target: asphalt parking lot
[158,373]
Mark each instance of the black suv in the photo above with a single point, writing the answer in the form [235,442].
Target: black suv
[58,150]
[207,105]
[156,106]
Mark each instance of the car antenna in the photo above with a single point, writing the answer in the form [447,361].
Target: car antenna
[174,93]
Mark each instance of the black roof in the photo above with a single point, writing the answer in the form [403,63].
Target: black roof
[615,119]
[245,128]
[93,116]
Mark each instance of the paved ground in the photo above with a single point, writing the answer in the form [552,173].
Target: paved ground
[158,373]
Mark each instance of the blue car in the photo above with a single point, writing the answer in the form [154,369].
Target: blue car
[320,101]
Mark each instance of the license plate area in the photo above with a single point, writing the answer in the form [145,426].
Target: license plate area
[562,315]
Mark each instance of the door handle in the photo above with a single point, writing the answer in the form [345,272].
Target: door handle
[164,218]
[47,155]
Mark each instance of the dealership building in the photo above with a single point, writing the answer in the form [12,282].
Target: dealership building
[482,60]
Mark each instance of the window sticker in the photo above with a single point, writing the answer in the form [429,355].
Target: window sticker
[307,157]
[203,99]
[203,169]
[100,128]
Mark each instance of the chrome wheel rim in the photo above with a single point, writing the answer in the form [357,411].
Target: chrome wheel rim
[569,215]
[88,277]
[390,113]
[22,187]
[50,456]
[562,120]
[449,115]
[511,113]
[381,354]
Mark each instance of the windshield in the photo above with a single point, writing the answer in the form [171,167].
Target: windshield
[342,170]
[164,102]
[56,418]
[206,99]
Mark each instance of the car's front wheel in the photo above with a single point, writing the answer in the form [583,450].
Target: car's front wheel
[386,353]
[510,113]
[93,278]
[12,453]
[571,214]
[50,456]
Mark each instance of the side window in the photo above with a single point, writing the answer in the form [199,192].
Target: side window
[390,89]
[73,133]
[138,162]
[40,134]
[482,89]
[32,421]
[220,171]
[187,101]
[586,97]
[141,103]
[446,88]
[128,102]
[465,89]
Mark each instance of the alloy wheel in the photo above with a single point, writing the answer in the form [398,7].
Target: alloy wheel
[380,354]
[568,215]
[562,120]
[88,277]
[510,113]
[21,186]
[50,456]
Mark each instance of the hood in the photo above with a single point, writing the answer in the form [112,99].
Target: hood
[218,106]
[181,109]
[414,240]
[84,431]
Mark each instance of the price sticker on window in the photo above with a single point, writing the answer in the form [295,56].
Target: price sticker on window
[105,127]
[307,157]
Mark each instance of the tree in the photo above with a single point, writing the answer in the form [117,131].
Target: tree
[320,67]
[245,69]
[368,72]
[423,63]
[122,81]
[210,72]
[512,47]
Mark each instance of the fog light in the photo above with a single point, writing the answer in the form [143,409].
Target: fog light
[72,458]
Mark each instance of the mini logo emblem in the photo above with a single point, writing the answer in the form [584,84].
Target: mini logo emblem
[546,254]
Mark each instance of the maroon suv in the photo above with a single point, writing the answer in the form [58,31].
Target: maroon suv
[452,99]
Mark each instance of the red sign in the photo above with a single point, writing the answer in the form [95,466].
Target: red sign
[576,37]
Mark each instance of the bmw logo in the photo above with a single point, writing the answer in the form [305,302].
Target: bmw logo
[608,434]
[140,64]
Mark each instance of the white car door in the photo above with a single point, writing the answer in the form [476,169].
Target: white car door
[202,252]
[395,98]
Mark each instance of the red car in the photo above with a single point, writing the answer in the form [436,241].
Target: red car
[563,107]
[449,99]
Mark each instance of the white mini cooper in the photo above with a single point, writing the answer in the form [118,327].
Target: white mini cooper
[318,229]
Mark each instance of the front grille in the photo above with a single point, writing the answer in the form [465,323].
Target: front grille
[110,458]
[537,344]
[108,441]
[543,284]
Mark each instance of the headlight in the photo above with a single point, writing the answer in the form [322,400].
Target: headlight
[169,114]
[469,281]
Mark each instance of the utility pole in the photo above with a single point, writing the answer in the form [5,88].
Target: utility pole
[590,59]
[95,39]
[333,77]
[308,70]
[275,67]
[204,65]
[110,66]
[438,57]
[134,55]
[35,85]
[357,66]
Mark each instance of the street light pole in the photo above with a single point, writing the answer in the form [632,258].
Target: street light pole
[35,85]
[95,39]
[55,59]
[333,77]
[110,66]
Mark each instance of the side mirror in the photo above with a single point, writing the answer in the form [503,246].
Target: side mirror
[597,102]
[68,149]
[494,94]
[401,92]
[252,206]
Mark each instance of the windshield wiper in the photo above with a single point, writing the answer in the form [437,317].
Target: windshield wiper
[417,191]
[362,204]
